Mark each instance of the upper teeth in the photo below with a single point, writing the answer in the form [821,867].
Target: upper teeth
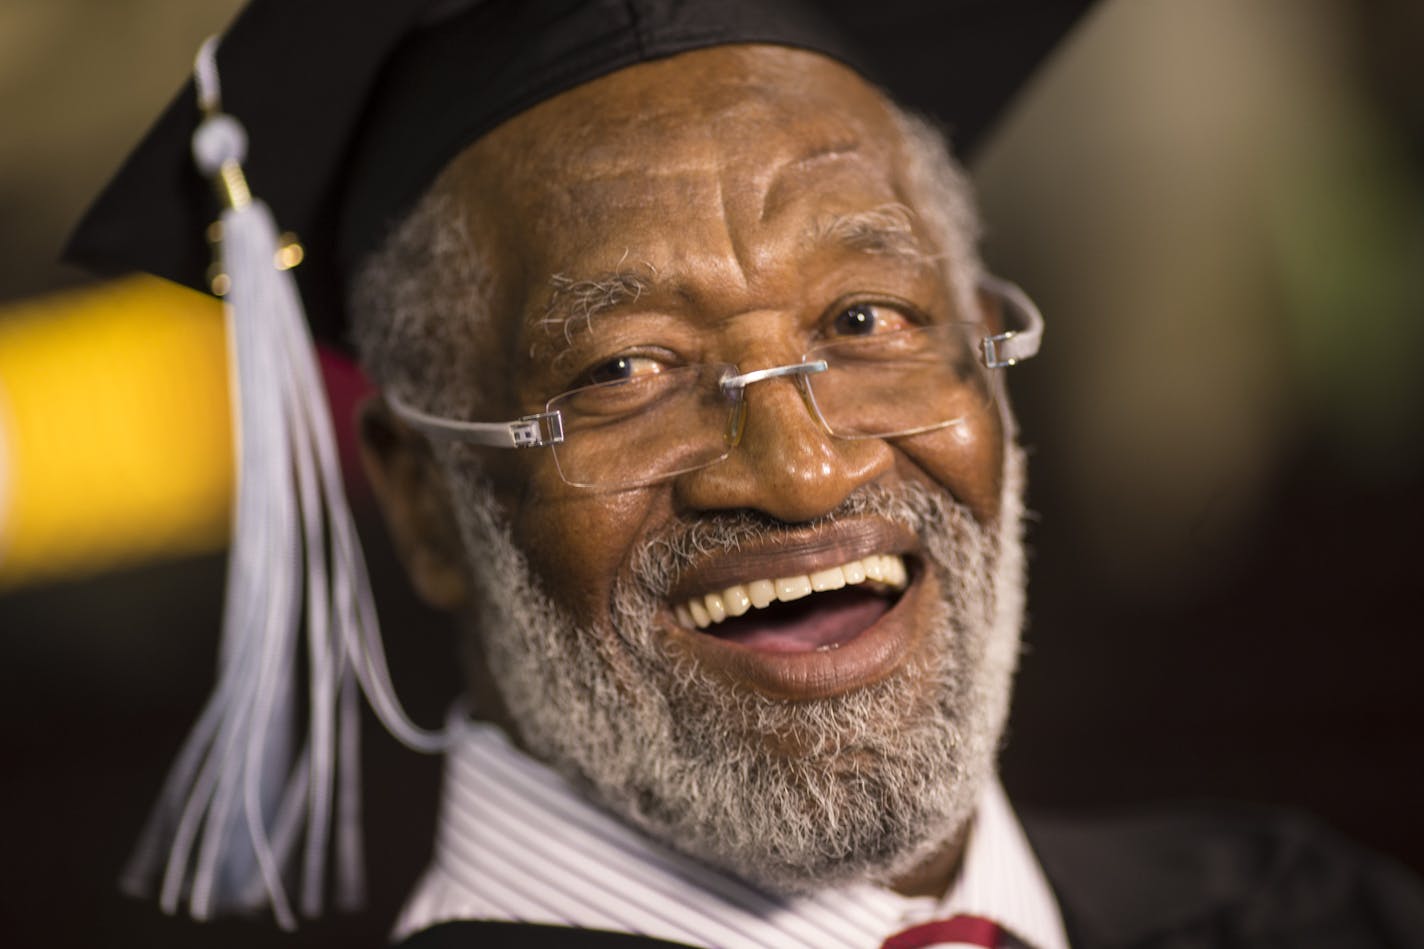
[703,611]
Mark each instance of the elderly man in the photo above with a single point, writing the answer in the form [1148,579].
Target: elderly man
[692,409]
[786,652]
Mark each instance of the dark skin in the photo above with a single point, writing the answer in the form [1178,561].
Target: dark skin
[710,172]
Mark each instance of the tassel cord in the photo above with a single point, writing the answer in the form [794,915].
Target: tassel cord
[194,777]
[215,731]
[237,795]
[325,671]
[280,642]
[350,852]
[266,573]
[312,777]
[356,617]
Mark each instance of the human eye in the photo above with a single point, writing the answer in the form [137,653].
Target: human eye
[623,368]
[868,319]
[621,387]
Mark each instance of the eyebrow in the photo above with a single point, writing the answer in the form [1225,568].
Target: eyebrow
[576,302]
[887,229]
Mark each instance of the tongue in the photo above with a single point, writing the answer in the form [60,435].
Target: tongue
[822,620]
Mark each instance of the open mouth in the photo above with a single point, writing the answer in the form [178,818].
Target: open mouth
[813,612]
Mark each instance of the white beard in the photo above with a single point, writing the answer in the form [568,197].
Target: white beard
[875,781]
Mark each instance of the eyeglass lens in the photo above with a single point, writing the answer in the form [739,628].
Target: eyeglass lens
[654,426]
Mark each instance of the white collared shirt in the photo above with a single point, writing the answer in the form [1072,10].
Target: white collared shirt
[515,842]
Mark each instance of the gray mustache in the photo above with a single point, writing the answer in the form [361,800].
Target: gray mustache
[661,559]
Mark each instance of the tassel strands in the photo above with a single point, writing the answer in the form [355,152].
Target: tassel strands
[238,801]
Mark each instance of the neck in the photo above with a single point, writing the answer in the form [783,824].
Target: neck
[933,876]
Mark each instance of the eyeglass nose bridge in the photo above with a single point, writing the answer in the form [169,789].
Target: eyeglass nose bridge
[733,387]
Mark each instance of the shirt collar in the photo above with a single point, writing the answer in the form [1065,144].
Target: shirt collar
[516,842]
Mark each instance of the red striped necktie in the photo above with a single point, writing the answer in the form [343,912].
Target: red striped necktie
[955,931]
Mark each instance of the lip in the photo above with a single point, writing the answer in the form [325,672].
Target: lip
[796,555]
[870,657]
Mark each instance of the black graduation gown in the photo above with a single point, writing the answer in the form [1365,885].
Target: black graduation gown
[1209,879]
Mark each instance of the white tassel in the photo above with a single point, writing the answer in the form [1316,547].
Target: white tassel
[237,801]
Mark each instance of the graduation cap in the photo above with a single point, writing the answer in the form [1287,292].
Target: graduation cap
[330,118]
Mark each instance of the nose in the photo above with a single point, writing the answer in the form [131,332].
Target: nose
[786,464]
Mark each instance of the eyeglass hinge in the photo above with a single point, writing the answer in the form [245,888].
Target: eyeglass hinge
[994,355]
[536,431]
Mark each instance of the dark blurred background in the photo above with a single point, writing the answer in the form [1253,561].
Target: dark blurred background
[1220,208]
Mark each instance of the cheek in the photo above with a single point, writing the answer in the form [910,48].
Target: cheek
[578,541]
[967,460]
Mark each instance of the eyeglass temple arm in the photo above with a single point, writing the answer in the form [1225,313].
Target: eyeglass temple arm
[1016,345]
[531,431]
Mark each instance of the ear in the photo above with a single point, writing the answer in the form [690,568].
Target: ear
[414,498]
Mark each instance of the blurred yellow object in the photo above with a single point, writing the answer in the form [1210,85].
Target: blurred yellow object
[115,437]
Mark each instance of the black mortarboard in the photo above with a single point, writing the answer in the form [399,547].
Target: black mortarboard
[338,114]
[353,106]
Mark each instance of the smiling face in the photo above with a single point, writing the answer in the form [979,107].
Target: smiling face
[793,662]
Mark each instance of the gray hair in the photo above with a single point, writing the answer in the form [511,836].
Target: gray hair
[420,305]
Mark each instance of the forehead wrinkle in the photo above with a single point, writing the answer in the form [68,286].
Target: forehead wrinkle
[830,152]
[740,244]
[575,302]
